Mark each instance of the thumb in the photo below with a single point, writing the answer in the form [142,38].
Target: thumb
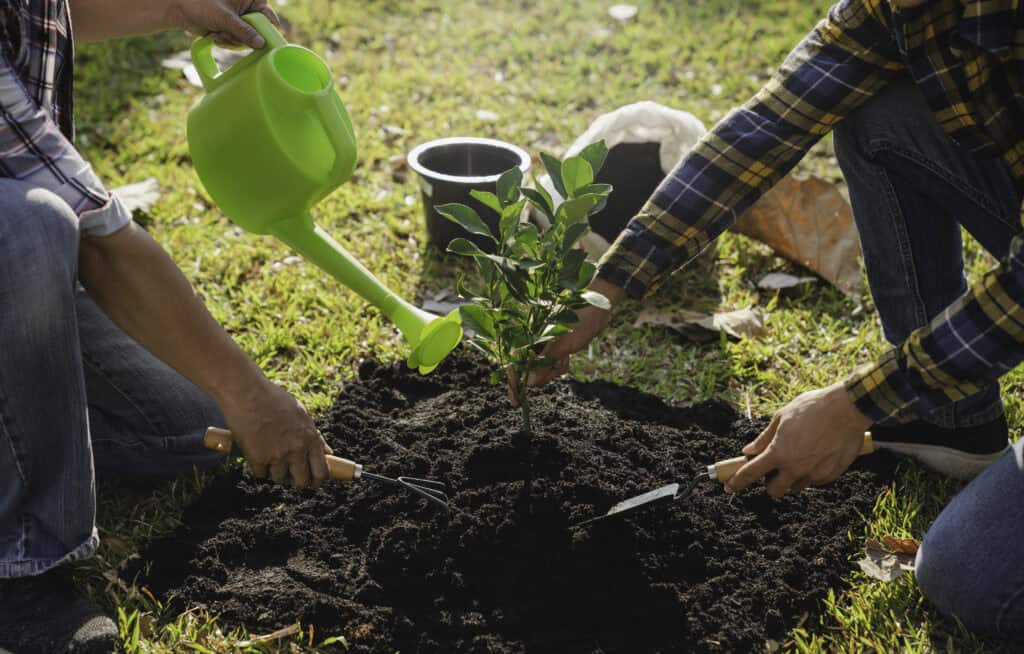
[759,444]
[241,31]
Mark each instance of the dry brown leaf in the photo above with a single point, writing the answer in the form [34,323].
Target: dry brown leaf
[703,327]
[808,221]
[901,545]
[275,635]
[879,563]
[140,196]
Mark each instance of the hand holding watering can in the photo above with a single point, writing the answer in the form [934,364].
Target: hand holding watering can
[270,139]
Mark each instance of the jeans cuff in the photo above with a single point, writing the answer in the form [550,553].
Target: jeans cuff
[32,567]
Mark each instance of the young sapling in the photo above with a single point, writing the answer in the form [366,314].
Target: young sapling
[533,283]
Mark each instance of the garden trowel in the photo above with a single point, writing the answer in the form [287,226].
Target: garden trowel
[720,471]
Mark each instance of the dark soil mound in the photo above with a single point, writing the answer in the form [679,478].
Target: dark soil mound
[501,572]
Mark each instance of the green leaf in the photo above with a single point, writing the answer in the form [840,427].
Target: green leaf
[596,299]
[596,189]
[576,174]
[487,199]
[595,154]
[509,219]
[575,210]
[566,317]
[465,247]
[478,319]
[508,186]
[465,217]
[574,233]
[554,168]
[586,274]
[540,199]
[570,271]
[465,291]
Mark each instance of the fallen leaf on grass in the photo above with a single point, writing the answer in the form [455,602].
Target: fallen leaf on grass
[622,12]
[879,563]
[781,281]
[183,61]
[443,303]
[702,327]
[807,220]
[901,545]
[140,196]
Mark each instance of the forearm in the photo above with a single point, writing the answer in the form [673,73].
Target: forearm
[97,20]
[840,65]
[972,343]
[138,285]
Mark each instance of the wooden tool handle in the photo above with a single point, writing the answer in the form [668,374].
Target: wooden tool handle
[337,467]
[725,469]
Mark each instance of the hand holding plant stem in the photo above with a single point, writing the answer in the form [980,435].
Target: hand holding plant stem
[534,284]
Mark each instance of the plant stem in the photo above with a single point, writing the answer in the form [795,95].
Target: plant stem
[524,404]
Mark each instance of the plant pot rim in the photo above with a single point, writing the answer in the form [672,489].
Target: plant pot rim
[414,159]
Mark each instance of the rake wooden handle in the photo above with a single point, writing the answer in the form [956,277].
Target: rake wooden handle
[725,469]
[337,467]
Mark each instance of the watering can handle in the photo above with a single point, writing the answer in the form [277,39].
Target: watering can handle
[202,49]
[338,468]
[724,470]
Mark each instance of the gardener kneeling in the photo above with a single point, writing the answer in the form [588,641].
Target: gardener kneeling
[925,97]
[109,364]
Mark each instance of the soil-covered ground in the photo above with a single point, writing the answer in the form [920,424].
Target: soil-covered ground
[502,572]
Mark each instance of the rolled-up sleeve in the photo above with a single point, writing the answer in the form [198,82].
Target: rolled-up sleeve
[33,150]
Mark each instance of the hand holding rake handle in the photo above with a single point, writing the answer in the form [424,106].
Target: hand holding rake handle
[346,470]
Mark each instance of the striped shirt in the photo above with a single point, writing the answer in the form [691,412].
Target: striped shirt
[967,57]
[36,128]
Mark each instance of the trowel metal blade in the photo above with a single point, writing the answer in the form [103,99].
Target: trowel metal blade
[666,493]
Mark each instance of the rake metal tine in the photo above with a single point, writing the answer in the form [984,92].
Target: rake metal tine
[427,489]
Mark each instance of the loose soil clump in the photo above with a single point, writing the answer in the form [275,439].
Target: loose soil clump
[502,572]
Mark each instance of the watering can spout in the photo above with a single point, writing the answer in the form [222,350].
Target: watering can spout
[431,338]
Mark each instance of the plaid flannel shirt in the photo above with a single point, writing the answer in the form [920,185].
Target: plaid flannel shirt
[967,56]
[36,129]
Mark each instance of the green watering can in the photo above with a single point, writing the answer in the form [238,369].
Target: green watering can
[269,140]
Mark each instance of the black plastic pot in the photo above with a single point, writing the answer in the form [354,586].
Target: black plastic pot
[450,168]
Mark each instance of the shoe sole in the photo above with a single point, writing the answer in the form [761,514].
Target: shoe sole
[944,460]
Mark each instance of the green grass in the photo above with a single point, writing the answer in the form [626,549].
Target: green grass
[547,69]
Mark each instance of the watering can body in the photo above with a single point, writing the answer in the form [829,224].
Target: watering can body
[271,137]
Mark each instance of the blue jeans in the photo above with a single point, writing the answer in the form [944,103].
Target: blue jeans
[78,397]
[912,188]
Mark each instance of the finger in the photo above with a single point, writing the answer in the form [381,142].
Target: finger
[279,471]
[542,377]
[763,439]
[318,468]
[264,8]
[780,484]
[755,469]
[299,468]
[241,31]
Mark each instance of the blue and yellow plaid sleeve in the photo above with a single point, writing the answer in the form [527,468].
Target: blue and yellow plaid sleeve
[844,61]
[976,340]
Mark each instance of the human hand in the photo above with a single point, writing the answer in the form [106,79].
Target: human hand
[592,320]
[220,19]
[810,441]
[277,436]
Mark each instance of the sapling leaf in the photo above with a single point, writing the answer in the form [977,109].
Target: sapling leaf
[510,216]
[596,299]
[478,319]
[465,247]
[576,209]
[539,198]
[487,199]
[576,174]
[573,234]
[508,186]
[595,189]
[465,217]
[572,271]
[566,317]
[595,154]
[554,168]
[586,274]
